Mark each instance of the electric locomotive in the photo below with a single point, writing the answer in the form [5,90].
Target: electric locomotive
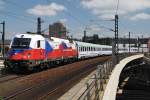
[32,50]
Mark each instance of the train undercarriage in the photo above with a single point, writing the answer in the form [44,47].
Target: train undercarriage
[34,65]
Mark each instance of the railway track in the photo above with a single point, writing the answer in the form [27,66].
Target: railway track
[52,83]
[54,93]
[9,77]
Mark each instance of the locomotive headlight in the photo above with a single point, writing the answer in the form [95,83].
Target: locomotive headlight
[29,55]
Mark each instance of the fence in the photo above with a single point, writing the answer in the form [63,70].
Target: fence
[95,87]
[96,84]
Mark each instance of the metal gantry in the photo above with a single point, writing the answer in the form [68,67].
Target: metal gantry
[129,42]
[115,48]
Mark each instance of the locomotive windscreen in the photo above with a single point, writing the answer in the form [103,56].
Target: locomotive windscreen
[21,43]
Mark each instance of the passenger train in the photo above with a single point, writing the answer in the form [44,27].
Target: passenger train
[32,50]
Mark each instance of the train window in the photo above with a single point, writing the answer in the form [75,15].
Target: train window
[21,43]
[38,44]
[102,49]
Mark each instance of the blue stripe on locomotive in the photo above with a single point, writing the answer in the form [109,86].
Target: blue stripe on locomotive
[15,51]
[48,48]
[64,45]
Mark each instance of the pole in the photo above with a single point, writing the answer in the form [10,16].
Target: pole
[124,44]
[138,45]
[84,38]
[38,25]
[142,44]
[3,39]
[115,43]
[129,43]
[116,38]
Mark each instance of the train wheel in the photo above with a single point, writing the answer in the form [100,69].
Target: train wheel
[42,66]
[57,62]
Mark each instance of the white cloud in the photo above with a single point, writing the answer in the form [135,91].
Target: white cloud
[140,16]
[63,20]
[106,8]
[46,10]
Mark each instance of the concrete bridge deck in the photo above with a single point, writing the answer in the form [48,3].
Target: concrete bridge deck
[109,93]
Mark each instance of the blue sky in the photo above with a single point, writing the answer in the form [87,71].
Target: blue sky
[77,15]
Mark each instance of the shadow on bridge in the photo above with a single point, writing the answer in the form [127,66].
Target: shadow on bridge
[134,83]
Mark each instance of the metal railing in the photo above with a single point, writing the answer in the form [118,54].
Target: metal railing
[96,84]
[147,55]
[95,87]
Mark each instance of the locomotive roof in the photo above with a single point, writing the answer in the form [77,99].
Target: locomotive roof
[30,36]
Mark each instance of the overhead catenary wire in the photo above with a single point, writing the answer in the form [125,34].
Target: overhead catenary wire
[15,4]
[74,17]
[117,8]
[10,14]
[18,6]
[66,12]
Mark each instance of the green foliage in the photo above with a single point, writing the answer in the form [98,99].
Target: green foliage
[1,98]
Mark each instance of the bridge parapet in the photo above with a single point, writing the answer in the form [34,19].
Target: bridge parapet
[102,83]
[111,88]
